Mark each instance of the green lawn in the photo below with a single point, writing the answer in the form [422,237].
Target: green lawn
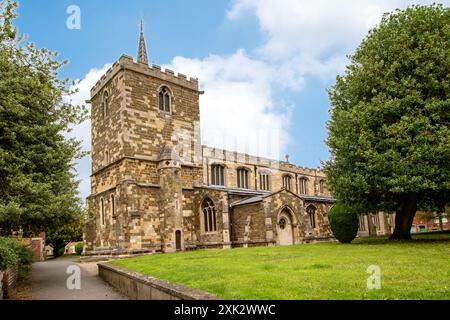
[409,270]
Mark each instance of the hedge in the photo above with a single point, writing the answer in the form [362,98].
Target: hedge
[12,253]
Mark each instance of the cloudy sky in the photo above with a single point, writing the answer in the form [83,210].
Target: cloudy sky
[265,65]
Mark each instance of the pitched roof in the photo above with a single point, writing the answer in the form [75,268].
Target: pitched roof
[260,198]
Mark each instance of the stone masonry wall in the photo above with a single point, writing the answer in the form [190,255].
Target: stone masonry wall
[248,223]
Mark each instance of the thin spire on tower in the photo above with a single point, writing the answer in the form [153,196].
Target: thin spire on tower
[142,51]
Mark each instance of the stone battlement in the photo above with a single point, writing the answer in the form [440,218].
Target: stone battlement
[126,62]
[224,156]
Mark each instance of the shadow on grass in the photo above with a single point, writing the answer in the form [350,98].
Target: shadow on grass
[418,238]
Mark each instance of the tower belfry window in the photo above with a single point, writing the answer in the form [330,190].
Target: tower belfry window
[164,99]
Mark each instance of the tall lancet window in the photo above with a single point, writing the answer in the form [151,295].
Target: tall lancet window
[287,182]
[164,99]
[242,178]
[105,104]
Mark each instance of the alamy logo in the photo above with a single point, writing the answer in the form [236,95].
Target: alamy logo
[74,280]
[374,280]
[74,20]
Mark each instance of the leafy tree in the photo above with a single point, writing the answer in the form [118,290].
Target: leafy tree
[38,189]
[389,129]
[60,237]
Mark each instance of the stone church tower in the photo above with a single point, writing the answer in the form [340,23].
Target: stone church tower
[145,125]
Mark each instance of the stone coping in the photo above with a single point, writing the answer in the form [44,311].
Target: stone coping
[169,290]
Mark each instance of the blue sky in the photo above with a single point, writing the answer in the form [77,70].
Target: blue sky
[265,64]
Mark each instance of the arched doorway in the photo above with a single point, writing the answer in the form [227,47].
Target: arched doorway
[178,240]
[284,228]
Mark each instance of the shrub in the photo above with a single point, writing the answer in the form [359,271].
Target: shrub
[12,252]
[344,223]
[79,248]
[26,256]
[8,257]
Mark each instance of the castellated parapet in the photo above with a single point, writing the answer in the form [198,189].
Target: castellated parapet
[126,62]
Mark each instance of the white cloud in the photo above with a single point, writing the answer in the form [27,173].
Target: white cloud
[314,27]
[83,131]
[237,111]
[303,33]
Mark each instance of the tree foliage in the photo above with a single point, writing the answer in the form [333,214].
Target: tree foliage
[60,237]
[389,129]
[38,189]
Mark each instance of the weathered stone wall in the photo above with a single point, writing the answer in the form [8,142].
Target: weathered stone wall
[140,287]
[170,204]
[192,202]
[248,223]
[322,228]
[108,131]
[149,128]
[284,199]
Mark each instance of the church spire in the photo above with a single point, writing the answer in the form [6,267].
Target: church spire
[142,52]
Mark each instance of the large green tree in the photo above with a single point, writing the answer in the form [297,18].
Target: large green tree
[389,129]
[38,190]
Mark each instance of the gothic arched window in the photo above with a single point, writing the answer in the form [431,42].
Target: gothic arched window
[164,99]
[209,215]
[264,181]
[105,104]
[217,176]
[287,182]
[321,186]
[242,178]
[311,211]
[303,185]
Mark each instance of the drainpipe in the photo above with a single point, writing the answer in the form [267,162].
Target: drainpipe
[207,171]
[256,180]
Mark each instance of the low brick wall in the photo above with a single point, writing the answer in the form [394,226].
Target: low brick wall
[8,280]
[141,287]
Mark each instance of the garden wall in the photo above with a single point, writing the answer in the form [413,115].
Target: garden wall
[140,287]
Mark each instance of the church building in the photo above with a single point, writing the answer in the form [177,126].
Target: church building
[156,188]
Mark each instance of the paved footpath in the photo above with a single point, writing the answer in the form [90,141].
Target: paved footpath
[49,281]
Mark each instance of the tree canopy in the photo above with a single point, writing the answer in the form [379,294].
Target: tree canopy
[60,237]
[389,130]
[38,189]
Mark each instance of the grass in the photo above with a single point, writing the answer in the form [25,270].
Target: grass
[419,269]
